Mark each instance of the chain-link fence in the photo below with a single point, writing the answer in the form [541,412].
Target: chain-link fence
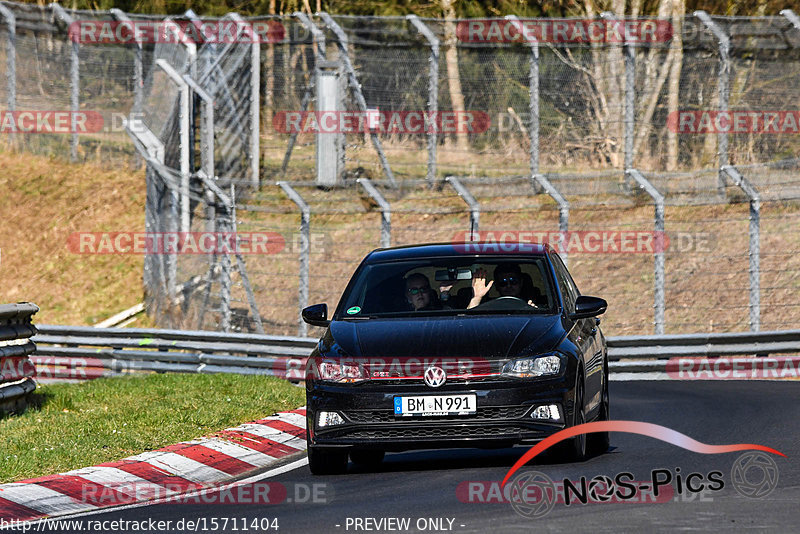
[322,137]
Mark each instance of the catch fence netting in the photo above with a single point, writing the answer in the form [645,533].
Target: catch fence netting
[429,99]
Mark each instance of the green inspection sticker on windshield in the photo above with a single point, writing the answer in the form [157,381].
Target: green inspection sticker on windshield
[354,310]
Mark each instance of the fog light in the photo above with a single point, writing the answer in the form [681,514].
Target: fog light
[329,419]
[548,412]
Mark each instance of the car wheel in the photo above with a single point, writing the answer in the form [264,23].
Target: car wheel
[367,457]
[600,441]
[326,462]
[574,449]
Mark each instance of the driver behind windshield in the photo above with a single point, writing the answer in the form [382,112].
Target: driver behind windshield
[507,280]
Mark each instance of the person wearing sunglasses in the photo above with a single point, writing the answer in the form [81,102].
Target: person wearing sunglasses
[507,280]
[419,294]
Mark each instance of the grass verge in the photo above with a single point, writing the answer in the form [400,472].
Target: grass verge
[69,426]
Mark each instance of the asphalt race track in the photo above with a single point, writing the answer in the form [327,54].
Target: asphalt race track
[423,486]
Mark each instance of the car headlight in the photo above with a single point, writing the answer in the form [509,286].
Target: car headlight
[533,366]
[342,372]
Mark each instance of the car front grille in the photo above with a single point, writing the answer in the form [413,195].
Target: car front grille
[438,432]
[488,413]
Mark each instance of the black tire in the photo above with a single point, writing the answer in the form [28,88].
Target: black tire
[367,457]
[326,462]
[575,449]
[599,442]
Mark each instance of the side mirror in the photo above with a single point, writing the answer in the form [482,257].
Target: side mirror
[586,306]
[316,315]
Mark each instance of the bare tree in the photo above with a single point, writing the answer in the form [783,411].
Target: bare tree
[673,89]
[451,59]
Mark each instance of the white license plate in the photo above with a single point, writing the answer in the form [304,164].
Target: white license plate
[435,405]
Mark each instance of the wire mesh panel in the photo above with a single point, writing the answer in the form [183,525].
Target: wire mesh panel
[700,94]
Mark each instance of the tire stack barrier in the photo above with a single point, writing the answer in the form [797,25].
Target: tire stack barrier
[16,368]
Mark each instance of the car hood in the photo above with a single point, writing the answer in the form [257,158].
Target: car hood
[490,337]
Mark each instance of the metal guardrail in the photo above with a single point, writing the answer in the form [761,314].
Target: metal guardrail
[76,352]
[708,345]
[16,369]
[79,352]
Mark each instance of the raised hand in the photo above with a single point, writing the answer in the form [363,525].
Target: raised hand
[479,287]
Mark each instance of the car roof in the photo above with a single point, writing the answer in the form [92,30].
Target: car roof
[477,248]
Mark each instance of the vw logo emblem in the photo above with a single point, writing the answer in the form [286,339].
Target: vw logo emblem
[434,376]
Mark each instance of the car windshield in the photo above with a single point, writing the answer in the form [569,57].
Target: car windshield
[449,286]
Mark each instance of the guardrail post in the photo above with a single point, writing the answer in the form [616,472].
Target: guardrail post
[386,210]
[658,250]
[344,54]
[183,119]
[433,90]
[563,210]
[11,59]
[305,253]
[754,246]
[74,80]
[533,93]
[474,206]
[723,89]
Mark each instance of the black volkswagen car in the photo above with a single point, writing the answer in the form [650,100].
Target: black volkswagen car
[449,345]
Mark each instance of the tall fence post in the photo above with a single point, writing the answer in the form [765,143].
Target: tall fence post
[754,246]
[305,253]
[563,210]
[183,120]
[792,17]
[658,248]
[433,91]
[466,196]
[74,80]
[342,42]
[723,90]
[255,100]
[207,168]
[533,92]
[138,68]
[11,58]
[630,102]
[255,109]
[386,210]
[155,272]
[328,143]
[318,38]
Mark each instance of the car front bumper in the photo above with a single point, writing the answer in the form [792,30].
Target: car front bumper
[503,417]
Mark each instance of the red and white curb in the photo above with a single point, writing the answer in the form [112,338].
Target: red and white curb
[186,467]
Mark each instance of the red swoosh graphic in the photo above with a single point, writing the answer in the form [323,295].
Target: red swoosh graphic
[634,427]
